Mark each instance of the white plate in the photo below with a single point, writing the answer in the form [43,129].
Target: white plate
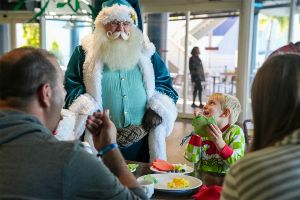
[163,179]
[187,171]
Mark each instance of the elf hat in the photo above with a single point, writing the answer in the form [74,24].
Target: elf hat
[117,10]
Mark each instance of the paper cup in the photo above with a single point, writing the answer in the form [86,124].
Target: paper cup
[148,187]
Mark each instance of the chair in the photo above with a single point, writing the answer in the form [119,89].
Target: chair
[246,125]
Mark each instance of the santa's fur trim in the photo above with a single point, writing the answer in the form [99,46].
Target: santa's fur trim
[146,68]
[164,106]
[117,12]
[92,71]
[157,144]
[148,47]
[83,106]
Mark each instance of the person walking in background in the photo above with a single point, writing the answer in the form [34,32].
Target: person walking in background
[197,75]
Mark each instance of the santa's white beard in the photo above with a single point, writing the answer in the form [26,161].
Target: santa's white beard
[118,54]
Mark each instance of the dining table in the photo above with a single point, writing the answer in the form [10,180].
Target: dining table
[207,179]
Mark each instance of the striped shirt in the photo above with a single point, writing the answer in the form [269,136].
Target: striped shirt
[271,173]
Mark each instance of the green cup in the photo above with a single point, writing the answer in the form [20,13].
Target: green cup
[200,124]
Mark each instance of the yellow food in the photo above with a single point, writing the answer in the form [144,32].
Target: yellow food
[177,183]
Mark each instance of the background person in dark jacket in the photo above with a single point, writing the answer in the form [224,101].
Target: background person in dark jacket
[197,75]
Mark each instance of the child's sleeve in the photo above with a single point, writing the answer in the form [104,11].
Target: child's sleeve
[193,150]
[235,146]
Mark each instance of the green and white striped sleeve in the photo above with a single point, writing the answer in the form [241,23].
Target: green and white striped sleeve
[235,139]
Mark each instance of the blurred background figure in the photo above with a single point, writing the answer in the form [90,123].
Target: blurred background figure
[197,75]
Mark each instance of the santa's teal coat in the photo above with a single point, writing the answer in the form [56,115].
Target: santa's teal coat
[84,93]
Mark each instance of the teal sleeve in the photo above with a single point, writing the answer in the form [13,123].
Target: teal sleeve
[237,144]
[163,81]
[73,82]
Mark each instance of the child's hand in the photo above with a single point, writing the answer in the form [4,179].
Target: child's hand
[94,122]
[197,112]
[216,136]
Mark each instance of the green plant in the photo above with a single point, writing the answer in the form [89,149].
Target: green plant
[55,49]
[31,34]
[73,4]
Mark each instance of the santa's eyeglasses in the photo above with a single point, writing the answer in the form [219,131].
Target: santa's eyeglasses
[118,23]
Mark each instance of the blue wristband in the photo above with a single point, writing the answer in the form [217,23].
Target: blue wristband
[106,149]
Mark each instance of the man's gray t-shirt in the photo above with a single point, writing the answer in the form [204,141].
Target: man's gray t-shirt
[35,165]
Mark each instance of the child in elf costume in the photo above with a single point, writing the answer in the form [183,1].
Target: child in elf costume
[217,142]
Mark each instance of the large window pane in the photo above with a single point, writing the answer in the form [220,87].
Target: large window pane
[176,55]
[5,38]
[62,36]
[217,39]
[272,32]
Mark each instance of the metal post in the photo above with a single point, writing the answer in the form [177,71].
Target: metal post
[291,24]
[244,56]
[43,28]
[186,45]
[13,36]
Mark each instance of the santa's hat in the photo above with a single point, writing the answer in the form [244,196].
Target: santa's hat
[119,10]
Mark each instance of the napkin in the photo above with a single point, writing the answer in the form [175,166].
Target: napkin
[200,124]
[162,165]
[208,193]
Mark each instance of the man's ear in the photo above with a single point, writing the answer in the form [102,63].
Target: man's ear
[44,95]
[226,113]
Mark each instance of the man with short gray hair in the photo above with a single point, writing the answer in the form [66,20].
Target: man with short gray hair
[33,163]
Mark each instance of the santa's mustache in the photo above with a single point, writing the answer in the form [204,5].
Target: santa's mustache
[117,34]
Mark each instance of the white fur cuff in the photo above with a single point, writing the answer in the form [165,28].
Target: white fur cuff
[164,106]
[65,128]
[84,104]
[157,144]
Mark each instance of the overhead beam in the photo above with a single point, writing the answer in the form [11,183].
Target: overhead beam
[182,6]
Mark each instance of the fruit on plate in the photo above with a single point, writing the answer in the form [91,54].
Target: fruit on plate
[178,183]
[179,168]
[132,167]
[162,165]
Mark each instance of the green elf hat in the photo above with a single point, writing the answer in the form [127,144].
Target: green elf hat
[120,10]
[201,123]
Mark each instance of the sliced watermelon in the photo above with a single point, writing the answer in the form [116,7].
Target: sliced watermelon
[162,165]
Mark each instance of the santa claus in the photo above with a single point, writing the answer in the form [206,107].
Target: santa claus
[117,68]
